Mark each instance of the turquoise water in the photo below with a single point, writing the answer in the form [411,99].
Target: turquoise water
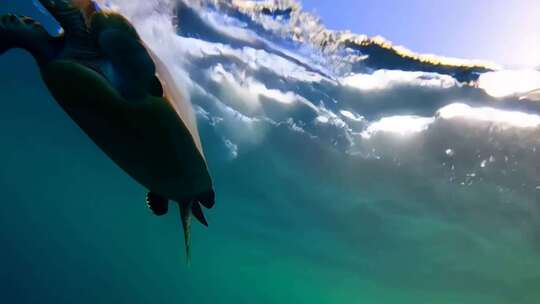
[298,218]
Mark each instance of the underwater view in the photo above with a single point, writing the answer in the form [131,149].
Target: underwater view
[346,168]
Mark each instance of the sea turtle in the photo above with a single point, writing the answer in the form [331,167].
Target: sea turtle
[121,95]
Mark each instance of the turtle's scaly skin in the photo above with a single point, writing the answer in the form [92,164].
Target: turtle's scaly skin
[101,74]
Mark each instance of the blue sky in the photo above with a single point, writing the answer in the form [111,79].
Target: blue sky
[503,31]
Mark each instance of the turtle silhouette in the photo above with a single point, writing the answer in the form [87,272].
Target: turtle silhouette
[121,95]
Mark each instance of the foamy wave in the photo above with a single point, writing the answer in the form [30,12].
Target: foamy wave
[246,89]
[506,83]
[384,79]
[287,20]
[408,125]
[502,118]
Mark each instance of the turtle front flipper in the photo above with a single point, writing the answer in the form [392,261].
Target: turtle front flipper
[26,33]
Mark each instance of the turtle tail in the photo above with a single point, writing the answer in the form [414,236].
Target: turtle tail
[187,211]
[185,215]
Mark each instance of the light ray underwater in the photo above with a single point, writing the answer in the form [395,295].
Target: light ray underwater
[346,168]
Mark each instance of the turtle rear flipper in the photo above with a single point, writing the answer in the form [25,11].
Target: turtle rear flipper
[157,203]
[198,213]
[207,199]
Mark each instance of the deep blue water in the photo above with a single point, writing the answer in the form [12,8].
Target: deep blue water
[313,205]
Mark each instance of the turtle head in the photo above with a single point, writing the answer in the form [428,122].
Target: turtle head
[81,4]
[87,7]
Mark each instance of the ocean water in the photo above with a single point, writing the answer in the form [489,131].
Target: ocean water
[339,180]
